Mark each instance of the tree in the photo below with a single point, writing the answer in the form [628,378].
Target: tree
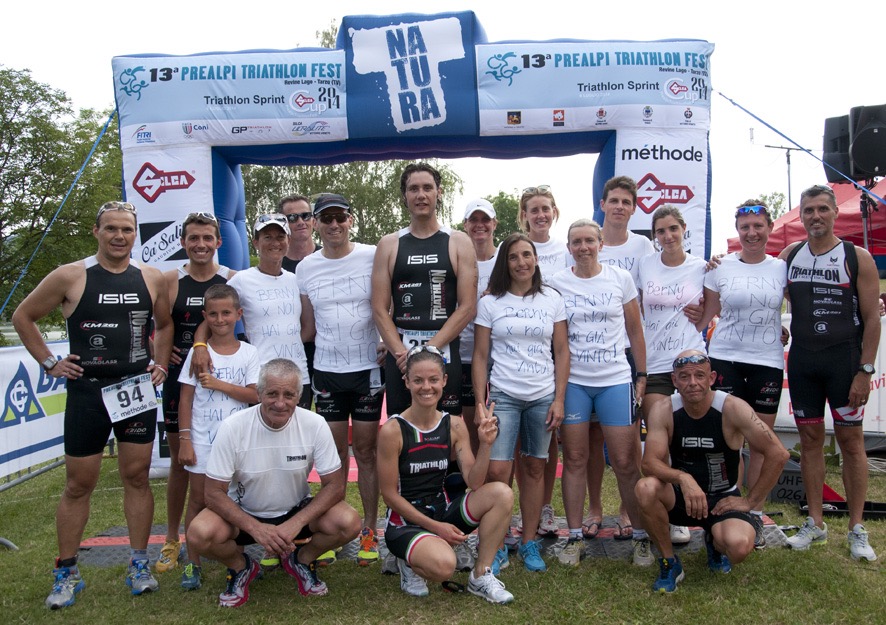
[43,143]
[775,202]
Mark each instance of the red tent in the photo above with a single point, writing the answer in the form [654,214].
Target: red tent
[849,224]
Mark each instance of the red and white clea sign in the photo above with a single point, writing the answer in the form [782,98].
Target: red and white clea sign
[151,182]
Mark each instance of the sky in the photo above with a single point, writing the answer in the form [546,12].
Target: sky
[790,65]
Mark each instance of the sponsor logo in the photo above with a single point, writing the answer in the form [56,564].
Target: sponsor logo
[97,325]
[142,135]
[239,130]
[438,304]
[300,458]
[698,442]
[409,285]
[97,341]
[421,259]
[500,67]
[820,327]
[676,88]
[601,114]
[118,298]
[20,401]
[189,128]
[194,301]
[303,102]
[151,182]
[687,113]
[652,193]
[136,428]
[319,127]
[515,118]
[406,300]
[647,112]
[662,153]
[131,83]
[559,117]
[435,465]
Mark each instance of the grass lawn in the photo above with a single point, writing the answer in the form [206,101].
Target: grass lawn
[774,586]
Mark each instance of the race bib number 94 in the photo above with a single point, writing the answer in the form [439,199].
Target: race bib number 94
[130,397]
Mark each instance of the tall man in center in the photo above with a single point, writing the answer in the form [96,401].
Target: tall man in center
[424,288]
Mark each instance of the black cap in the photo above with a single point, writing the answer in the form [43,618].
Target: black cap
[330,200]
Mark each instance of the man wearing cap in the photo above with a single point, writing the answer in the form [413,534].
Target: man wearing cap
[109,302]
[691,464]
[479,224]
[272,314]
[833,289]
[424,288]
[334,284]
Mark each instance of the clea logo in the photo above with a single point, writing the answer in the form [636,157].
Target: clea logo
[151,182]
[652,193]
[20,400]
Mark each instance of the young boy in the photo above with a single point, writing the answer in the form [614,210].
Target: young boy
[208,400]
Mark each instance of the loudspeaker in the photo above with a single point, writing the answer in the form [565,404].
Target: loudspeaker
[836,148]
[867,141]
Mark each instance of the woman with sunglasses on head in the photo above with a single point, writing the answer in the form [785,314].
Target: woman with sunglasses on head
[425,520]
[747,352]
[538,214]
[521,326]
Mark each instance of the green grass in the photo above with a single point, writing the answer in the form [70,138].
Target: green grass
[775,586]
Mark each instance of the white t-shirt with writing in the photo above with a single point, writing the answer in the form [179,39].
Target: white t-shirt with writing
[553,256]
[627,256]
[466,338]
[665,291]
[751,294]
[595,315]
[339,290]
[522,329]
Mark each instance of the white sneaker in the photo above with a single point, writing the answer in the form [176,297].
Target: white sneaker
[571,554]
[464,557]
[809,535]
[547,526]
[643,552]
[859,548]
[411,582]
[389,565]
[489,587]
[680,535]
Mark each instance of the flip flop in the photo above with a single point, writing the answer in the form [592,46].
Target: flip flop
[624,532]
[589,528]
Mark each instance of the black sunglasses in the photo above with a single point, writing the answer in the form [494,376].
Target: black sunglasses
[294,217]
[338,218]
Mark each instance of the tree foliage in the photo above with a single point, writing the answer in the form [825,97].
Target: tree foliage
[776,204]
[43,143]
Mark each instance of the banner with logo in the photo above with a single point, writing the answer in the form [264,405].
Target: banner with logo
[670,167]
[32,421]
[555,87]
[232,98]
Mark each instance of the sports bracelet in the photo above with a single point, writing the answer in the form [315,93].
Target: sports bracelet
[200,345]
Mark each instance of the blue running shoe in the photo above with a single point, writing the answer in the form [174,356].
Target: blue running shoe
[531,557]
[501,561]
[65,588]
[139,578]
[671,574]
[717,562]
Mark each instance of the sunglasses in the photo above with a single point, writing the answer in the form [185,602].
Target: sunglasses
[338,218]
[542,188]
[294,217]
[116,206]
[424,348]
[200,216]
[752,210]
[694,359]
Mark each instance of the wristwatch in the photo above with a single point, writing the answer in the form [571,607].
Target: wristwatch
[866,368]
[49,363]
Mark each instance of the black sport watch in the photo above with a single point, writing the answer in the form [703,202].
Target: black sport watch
[869,369]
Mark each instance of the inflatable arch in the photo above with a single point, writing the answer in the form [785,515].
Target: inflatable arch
[409,86]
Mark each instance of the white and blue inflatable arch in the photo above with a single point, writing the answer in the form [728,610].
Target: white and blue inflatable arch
[408,87]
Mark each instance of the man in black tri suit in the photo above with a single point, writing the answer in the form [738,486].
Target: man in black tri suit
[109,302]
[834,289]
[424,288]
[691,462]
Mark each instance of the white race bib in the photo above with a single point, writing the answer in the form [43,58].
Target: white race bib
[414,338]
[130,397]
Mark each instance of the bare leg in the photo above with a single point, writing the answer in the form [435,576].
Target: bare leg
[134,462]
[755,463]
[364,439]
[81,476]
[492,503]
[176,489]
[654,500]
[532,495]
[550,475]
[855,469]
[196,504]
[575,462]
[812,466]
[595,468]
[621,442]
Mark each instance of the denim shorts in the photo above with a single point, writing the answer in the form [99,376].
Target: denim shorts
[523,419]
[610,405]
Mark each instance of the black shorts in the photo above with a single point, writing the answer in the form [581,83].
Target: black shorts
[398,396]
[660,383]
[171,394]
[401,538]
[245,538]
[758,385]
[88,426]
[678,515]
[816,376]
[467,386]
[339,396]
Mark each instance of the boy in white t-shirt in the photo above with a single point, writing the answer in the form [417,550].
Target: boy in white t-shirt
[210,398]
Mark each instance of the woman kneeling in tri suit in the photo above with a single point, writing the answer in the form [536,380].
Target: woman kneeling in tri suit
[423,523]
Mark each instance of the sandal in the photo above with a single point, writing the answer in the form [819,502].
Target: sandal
[623,532]
[590,528]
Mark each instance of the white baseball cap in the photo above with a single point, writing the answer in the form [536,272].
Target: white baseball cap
[481,205]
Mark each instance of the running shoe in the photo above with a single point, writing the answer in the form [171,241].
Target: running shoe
[501,561]
[464,557]
[65,588]
[269,562]
[191,576]
[305,575]
[328,558]
[670,574]
[237,592]
[489,587]
[759,535]
[547,526]
[139,578]
[389,565]
[411,582]
[809,535]
[717,562]
[680,535]
[642,555]
[532,559]
[169,555]
[859,548]
[368,552]
[571,554]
